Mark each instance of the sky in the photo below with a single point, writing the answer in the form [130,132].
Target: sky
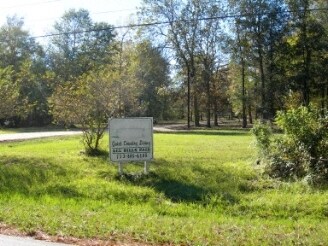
[40,15]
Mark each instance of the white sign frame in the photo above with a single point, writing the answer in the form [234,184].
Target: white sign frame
[131,140]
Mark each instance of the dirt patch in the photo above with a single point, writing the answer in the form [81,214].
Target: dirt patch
[10,231]
[39,235]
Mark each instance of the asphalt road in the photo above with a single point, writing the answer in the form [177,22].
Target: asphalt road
[25,241]
[33,135]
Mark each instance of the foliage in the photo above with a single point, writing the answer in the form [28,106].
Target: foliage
[96,96]
[198,50]
[151,68]
[35,85]
[12,102]
[235,91]
[23,60]
[263,135]
[88,103]
[308,46]
[129,86]
[79,49]
[257,45]
[180,36]
[276,51]
[16,44]
[301,152]
[8,93]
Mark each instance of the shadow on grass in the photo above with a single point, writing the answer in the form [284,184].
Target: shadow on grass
[177,189]
[64,191]
[33,176]
[98,153]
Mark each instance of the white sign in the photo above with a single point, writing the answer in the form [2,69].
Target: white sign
[131,139]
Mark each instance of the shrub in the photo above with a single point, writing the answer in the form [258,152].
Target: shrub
[89,102]
[301,152]
[263,134]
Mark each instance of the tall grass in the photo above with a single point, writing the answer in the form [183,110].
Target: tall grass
[202,189]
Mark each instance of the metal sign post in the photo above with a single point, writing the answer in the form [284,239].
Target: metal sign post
[145,167]
[120,168]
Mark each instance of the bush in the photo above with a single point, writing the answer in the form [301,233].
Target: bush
[263,134]
[88,103]
[301,152]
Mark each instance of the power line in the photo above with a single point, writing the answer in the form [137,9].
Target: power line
[232,16]
[91,13]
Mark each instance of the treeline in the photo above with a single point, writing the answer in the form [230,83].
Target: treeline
[195,59]
[274,52]
[37,82]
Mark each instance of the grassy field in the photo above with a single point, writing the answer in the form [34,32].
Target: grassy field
[203,189]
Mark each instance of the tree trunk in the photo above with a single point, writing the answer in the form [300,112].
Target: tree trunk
[208,101]
[263,102]
[208,112]
[324,102]
[196,110]
[243,94]
[326,99]
[306,59]
[250,114]
[188,98]
[244,124]
[271,88]
[216,118]
[306,87]
[256,100]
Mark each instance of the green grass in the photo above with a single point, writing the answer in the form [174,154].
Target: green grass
[5,131]
[203,189]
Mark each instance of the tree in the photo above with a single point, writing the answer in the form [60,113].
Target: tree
[210,40]
[24,58]
[219,92]
[308,44]
[322,85]
[260,31]
[16,45]
[152,70]
[79,45]
[180,35]
[95,97]
[241,46]
[9,94]
[89,102]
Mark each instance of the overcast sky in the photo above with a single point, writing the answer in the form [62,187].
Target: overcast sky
[40,15]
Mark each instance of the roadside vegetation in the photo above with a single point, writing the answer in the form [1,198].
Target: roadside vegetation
[301,152]
[192,61]
[203,189]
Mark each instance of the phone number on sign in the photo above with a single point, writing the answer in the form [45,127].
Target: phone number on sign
[131,156]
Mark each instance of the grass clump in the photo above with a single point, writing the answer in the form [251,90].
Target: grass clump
[201,190]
